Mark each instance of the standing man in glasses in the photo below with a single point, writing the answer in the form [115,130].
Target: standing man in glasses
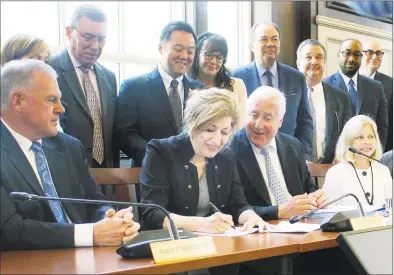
[89,89]
[366,95]
[371,62]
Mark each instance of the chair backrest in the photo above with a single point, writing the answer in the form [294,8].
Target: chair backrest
[318,172]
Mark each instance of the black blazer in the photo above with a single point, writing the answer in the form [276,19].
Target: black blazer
[77,120]
[297,121]
[338,112]
[31,224]
[371,100]
[170,180]
[295,171]
[144,112]
[388,90]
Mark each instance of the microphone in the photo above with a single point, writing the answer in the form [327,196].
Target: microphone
[295,219]
[22,196]
[355,151]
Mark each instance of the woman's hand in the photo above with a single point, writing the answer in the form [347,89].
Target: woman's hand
[217,223]
[251,219]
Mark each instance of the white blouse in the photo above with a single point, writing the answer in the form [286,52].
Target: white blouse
[341,179]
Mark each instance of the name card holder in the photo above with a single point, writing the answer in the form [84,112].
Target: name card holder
[183,249]
[366,222]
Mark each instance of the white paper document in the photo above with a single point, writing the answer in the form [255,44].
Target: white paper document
[299,227]
[229,233]
[337,208]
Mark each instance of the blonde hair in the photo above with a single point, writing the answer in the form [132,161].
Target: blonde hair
[204,107]
[21,45]
[351,129]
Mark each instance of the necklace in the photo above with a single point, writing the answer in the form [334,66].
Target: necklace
[367,194]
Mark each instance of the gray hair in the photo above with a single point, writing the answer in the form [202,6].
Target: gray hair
[18,75]
[267,93]
[92,12]
[310,42]
[255,26]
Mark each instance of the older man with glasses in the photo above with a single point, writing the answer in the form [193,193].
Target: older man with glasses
[89,89]
[371,62]
[367,95]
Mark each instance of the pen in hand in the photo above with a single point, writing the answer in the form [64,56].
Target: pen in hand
[215,209]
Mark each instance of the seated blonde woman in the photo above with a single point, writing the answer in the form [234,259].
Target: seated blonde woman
[357,174]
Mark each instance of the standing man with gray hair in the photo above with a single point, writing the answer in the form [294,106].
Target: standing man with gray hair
[267,71]
[39,160]
[89,89]
[330,107]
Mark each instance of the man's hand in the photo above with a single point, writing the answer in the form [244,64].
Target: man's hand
[320,196]
[297,205]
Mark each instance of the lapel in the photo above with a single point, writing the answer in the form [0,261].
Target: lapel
[159,93]
[281,75]
[249,163]
[104,90]
[252,80]
[15,155]
[360,85]
[287,166]
[212,178]
[330,112]
[71,78]
[186,87]
[339,82]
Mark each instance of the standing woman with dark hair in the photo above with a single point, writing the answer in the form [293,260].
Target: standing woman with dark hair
[209,68]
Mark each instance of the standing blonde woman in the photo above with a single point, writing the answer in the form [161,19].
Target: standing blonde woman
[357,174]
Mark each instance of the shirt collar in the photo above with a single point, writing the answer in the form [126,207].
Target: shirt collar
[347,79]
[257,150]
[318,87]
[261,70]
[166,77]
[75,62]
[23,142]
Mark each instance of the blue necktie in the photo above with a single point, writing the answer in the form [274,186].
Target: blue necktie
[353,96]
[268,76]
[47,183]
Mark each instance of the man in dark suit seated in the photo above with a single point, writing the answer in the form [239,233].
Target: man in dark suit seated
[330,107]
[151,105]
[367,95]
[267,71]
[37,159]
[88,88]
[370,64]
[271,164]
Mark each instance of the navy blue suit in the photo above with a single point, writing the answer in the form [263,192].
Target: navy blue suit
[31,224]
[297,121]
[371,100]
[144,112]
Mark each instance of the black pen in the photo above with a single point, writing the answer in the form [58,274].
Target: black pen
[215,209]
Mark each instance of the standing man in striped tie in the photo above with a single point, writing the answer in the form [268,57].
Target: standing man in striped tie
[367,95]
[89,89]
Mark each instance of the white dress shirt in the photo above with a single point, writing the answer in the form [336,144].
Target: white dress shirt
[83,233]
[372,76]
[347,80]
[263,79]
[167,83]
[272,150]
[320,113]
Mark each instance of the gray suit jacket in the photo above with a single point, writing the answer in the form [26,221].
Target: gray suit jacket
[77,120]
[387,159]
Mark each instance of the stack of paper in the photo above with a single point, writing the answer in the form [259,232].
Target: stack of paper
[229,233]
[286,227]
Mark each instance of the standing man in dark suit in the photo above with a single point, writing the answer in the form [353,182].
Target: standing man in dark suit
[271,165]
[37,159]
[267,71]
[151,105]
[371,62]
[367,95]
[330,107]
[88,88]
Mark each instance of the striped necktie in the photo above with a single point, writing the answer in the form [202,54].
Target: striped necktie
[268,76]
[176,104]
[353,96]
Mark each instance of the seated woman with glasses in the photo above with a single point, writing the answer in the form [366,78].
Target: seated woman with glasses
[209,68]
[369,180]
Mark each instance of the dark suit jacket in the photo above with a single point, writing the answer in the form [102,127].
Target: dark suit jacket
[371,100]
[388,90]
[295,171]
[77,121]
[170,180]
[297,121]
[338,112]
[31,224]
[144,112]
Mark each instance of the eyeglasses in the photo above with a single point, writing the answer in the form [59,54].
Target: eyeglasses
[210,56]
[347,54]
[91,37]
[370,53]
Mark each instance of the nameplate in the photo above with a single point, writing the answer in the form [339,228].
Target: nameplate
[366,222]
[184,249]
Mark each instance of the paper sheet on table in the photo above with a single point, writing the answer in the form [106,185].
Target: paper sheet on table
[229,233]
[337,208]
[286,227]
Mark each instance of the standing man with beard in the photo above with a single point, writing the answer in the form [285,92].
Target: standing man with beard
[267,71]
[330,107]
[367,95]
[151,105]
[371,62]
[88,88]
